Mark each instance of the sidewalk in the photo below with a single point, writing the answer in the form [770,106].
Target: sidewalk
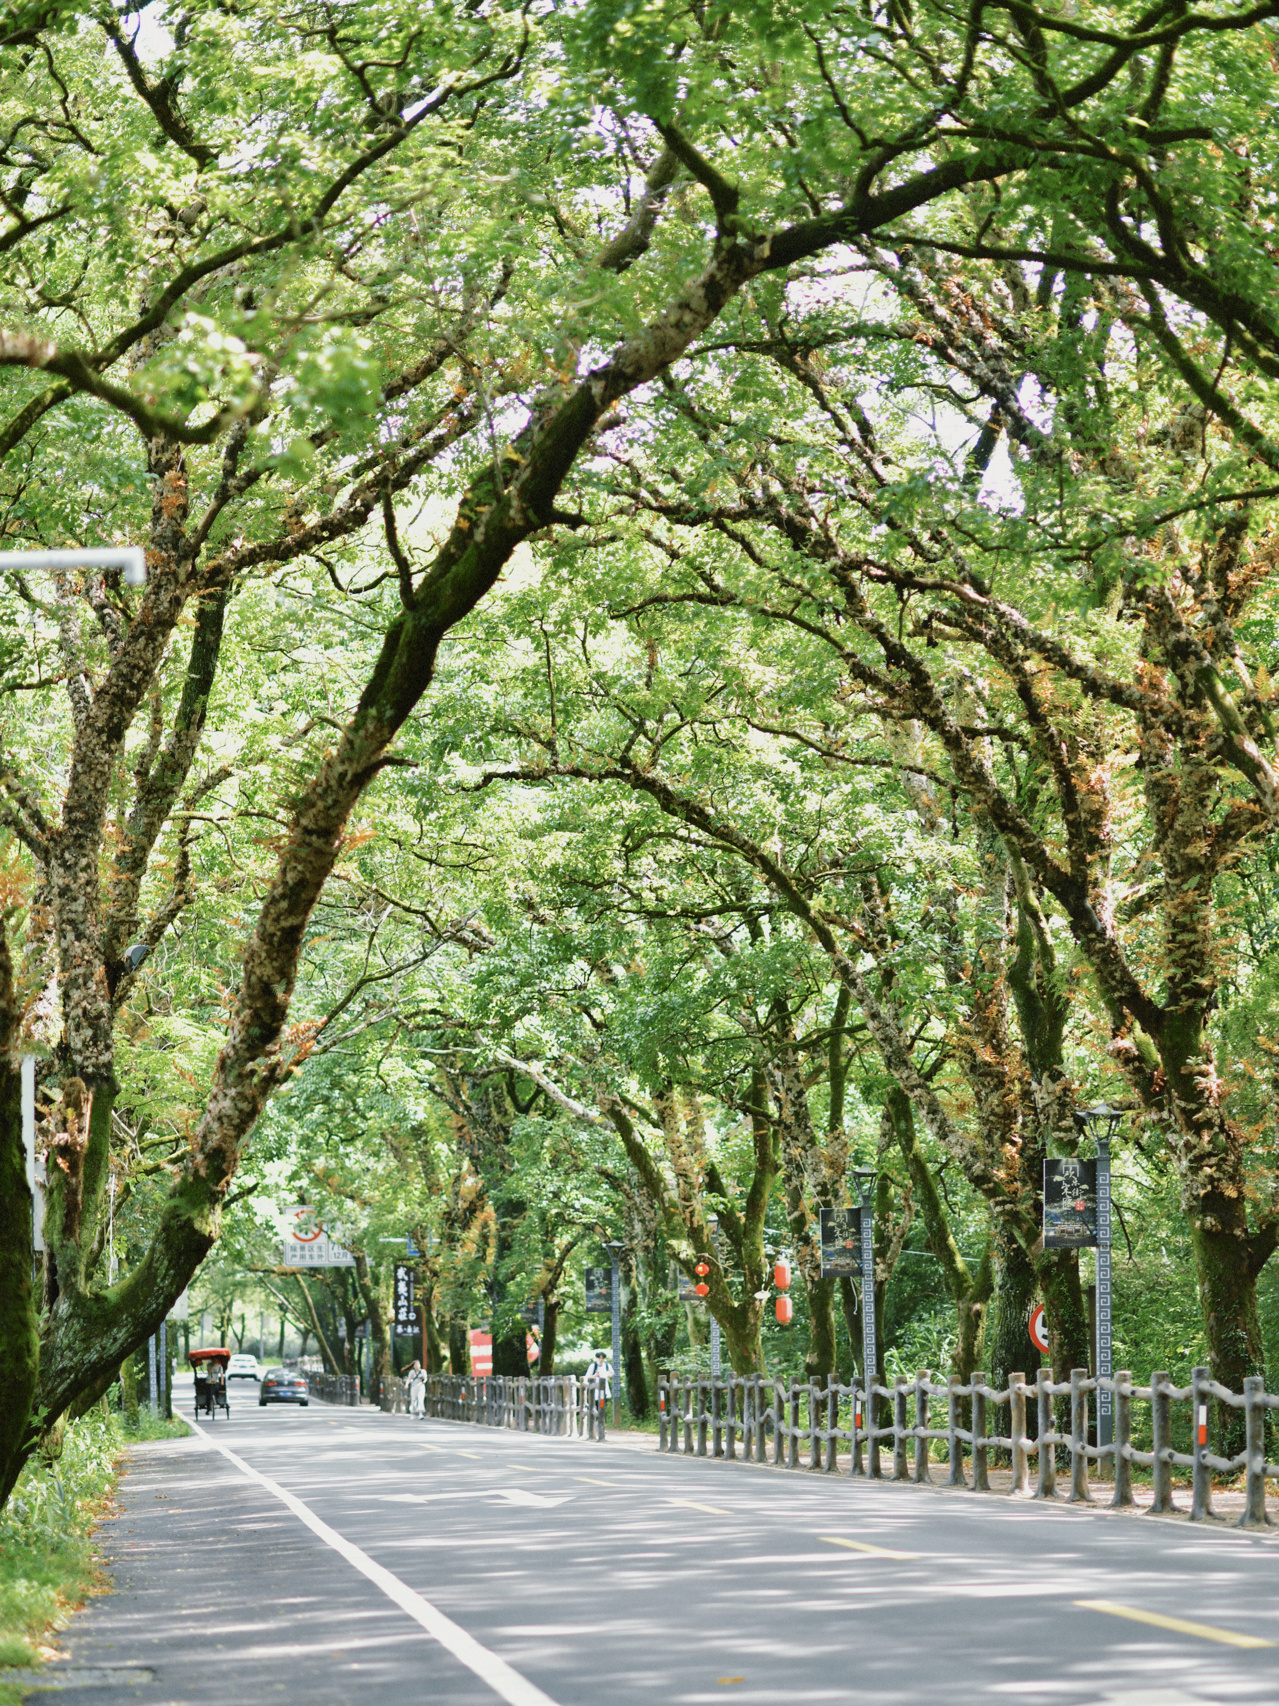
[200,1621]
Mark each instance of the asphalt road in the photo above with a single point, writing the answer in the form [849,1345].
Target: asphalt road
[512,1567]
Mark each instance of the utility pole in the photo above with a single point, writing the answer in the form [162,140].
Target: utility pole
[614,1253]
[1103,1123]
[717,1360]
[865,1177]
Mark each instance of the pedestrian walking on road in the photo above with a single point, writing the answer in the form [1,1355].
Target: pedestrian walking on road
[416,1380]
[601,1372]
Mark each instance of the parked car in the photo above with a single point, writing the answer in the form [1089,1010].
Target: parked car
[281,1387]
[244,1367]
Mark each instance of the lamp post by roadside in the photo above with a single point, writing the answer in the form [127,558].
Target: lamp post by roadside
[717,1358]
[613,1251]
[1102,1124]
[865,1177]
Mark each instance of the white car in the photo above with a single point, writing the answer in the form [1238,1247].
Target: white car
[244,1367]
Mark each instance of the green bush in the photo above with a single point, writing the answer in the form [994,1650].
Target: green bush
[47,1564]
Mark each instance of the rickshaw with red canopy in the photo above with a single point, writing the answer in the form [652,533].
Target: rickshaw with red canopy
[209,1368]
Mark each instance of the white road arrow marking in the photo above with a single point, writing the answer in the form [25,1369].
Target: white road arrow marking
[522,1496]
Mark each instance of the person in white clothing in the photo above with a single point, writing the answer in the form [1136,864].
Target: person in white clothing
[601,1370]
[415,1380]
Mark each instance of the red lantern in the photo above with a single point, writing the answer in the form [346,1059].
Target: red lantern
[702,1289]
[785,1310]
[702,1268]
[781,1276]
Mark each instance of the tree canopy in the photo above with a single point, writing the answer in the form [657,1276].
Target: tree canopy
[709,621]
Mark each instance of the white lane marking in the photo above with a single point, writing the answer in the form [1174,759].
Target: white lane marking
[506,1682]
[522,1496]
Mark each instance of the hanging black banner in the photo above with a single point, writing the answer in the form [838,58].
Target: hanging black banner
[405,1305]
[1070,1205]
[841,1235]
[599,1291]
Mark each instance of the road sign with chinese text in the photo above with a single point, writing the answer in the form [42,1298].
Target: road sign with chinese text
[1070,1205]
[841,1235]
[306,1244]
[405,1308]
[599,1291]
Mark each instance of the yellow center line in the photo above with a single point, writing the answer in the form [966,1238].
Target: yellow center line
[861,1546]
[477,1455]
[595,1482]
[689,1505]
[532,1468]
[432,1448]
[1179,1625]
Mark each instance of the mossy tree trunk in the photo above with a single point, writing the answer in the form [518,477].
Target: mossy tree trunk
[376,1314]
[969,1289]
[804,1165]
[19,1335]
[1008,1344]
[683,1212]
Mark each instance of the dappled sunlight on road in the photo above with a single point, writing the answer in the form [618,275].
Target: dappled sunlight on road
[603,1573]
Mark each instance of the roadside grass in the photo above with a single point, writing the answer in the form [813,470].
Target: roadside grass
[48,1564]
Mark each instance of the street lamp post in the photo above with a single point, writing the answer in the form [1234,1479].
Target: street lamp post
[865,1177]
[1102,1124]
[717,1356]
[614,1253]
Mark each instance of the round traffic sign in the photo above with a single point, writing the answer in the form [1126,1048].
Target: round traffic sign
[306,1226]
[1038,1328]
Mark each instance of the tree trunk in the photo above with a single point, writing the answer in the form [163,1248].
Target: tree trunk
[435,1352]
[129,1391]
[19,1337]
[377,1324]
[1065,1310]
[801,1158]
[550,1331]
[351,1322]
[969,1291]
[1228,1300]
[459,1346]
[326,1355]
[633,1363]
[635,1388]
[1008,1344]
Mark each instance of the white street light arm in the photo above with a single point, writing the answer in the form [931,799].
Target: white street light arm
[131,558]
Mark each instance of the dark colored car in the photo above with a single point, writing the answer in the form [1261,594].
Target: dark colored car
[280,1387]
